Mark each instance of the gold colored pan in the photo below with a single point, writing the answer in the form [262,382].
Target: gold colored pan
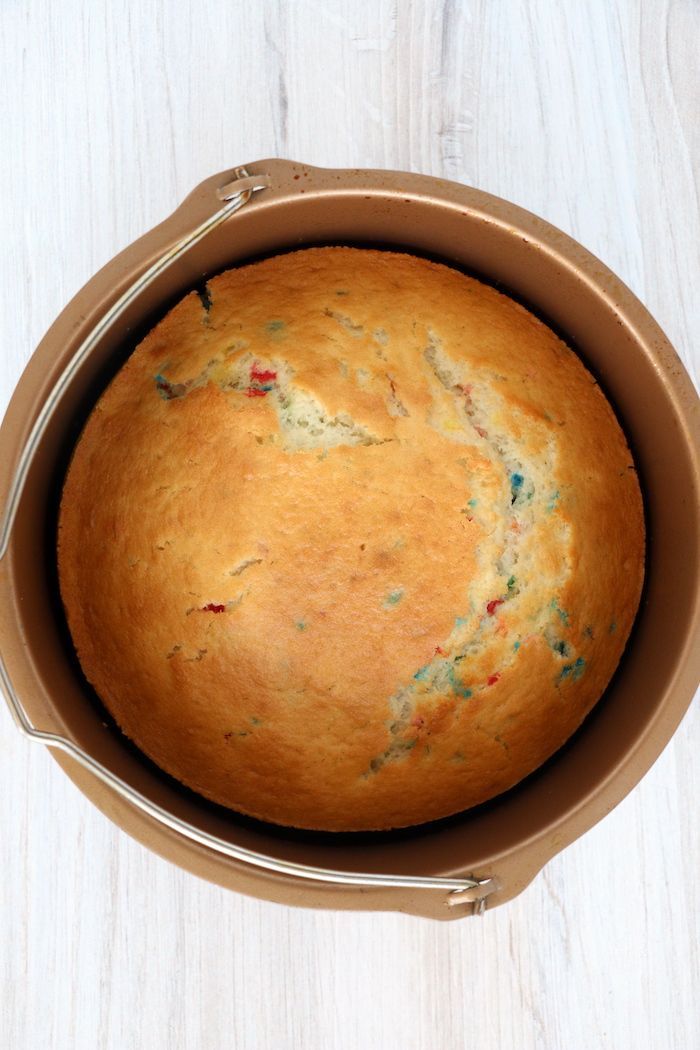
[454,867]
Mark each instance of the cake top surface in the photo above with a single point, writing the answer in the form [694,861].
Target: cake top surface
[351,541]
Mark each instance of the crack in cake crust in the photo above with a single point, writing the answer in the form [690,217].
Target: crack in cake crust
[448,674]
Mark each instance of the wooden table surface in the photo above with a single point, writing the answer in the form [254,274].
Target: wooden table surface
[583,112]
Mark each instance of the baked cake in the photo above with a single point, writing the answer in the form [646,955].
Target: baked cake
[352,541]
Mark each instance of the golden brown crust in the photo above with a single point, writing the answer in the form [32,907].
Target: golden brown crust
[357,547]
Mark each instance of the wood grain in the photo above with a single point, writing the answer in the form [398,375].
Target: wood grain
[111,112]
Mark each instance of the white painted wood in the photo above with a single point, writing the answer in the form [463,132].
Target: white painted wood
[111,111]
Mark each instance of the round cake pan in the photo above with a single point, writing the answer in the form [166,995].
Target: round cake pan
[497,848]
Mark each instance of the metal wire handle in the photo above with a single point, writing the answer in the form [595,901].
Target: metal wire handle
[458,890]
